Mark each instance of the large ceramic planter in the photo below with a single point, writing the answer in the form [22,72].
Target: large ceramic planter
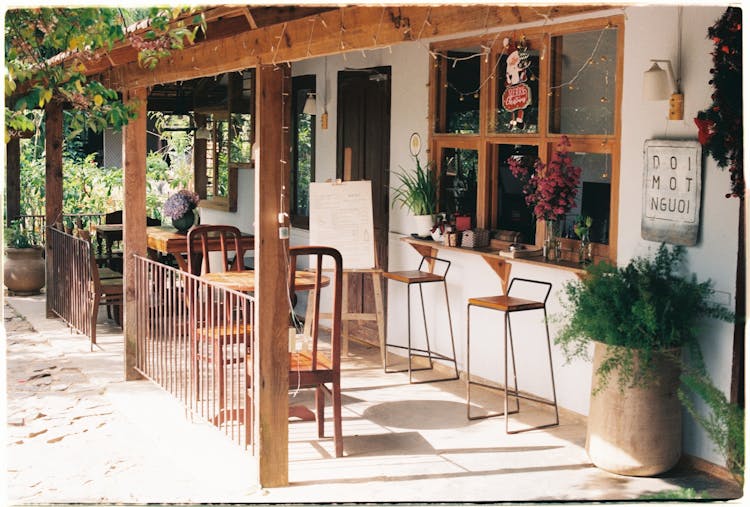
[638,430]
[423,225]
[24,270]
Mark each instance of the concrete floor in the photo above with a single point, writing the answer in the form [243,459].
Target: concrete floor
[77,433]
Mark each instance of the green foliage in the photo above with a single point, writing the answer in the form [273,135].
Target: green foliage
[648,306]
[17,237]
[725,422]
[674,494]
[418,191]
[90,188]
[48,52]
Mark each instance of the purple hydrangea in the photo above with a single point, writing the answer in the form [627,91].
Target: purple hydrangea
[180,203]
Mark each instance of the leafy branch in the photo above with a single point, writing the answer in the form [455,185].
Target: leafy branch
[49,50]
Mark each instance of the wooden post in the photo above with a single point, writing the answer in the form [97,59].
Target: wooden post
[53,180]
[270,350]
[134,218]
[13,179]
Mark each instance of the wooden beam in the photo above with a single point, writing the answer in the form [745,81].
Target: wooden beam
[134,218]
[270,347]
[250,19]
[333,32]
[53,181]
[13,179]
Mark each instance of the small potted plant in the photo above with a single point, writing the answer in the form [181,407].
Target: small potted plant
[418,193]
[24,268]
[639,318]
[180,208]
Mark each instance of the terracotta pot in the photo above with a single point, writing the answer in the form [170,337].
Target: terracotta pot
[24,270]
[637,430]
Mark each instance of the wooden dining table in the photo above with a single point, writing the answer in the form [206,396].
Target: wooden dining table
[164,239]
[244,281]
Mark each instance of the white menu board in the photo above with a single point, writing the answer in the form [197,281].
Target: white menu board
[341,217]
[671,191]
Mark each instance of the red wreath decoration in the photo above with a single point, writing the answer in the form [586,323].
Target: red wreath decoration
[720,126]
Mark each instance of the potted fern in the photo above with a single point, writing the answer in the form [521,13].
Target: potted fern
[640,318]
[417,192]
[24,269]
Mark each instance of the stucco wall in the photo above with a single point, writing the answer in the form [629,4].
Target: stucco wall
[650,32]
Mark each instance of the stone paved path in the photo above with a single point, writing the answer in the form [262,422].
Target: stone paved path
[71,436]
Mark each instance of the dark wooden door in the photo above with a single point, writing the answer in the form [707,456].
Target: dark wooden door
[363,153]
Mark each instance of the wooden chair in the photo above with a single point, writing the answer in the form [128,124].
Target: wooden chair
[109,283]
[198,239]
[219,325]
[315,367]
[108,291]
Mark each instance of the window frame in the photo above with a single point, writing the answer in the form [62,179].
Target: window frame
[302,84]
[486,140]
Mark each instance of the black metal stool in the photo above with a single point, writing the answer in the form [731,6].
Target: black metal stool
[509,304]
[419,278]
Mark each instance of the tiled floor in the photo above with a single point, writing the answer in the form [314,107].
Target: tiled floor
[78,433]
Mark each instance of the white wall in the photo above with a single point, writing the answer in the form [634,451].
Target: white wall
[650,32]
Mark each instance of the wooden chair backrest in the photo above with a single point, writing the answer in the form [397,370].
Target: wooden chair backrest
[318,253]
[113,217]
[228,236]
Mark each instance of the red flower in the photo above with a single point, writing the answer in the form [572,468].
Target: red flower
[549,189]
[706,130]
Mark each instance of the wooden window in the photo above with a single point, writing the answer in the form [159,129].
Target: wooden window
[229,119]
[457,93]
[303,151]
[571,84]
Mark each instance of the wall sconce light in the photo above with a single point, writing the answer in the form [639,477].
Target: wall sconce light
[310,105]
[203,133]
[659,84]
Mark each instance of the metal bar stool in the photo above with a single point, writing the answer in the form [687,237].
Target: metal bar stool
[509,304]
[419,278]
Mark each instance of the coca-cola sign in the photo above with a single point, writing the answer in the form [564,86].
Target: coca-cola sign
[516,97]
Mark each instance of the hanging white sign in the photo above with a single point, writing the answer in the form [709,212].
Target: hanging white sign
[671,191]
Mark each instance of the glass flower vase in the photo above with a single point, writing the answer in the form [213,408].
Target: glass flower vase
[585,254]
[551,248]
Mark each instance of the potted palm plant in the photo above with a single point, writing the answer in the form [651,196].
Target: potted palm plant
[24,270]
[417,192]
[640,318]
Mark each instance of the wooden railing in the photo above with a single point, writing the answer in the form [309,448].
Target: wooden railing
[71,280]
[37,224]
[194,340]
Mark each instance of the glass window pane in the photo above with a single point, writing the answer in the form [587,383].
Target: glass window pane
[518,89]
[303,164]
[458,183]
[460,87]
[242,138]
[593,195]
[218,179]
[513,214]
[583,70]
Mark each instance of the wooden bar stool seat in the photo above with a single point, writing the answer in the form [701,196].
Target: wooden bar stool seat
[419,277]
[510,304]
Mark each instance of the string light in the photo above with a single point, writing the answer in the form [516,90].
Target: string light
[569,83]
